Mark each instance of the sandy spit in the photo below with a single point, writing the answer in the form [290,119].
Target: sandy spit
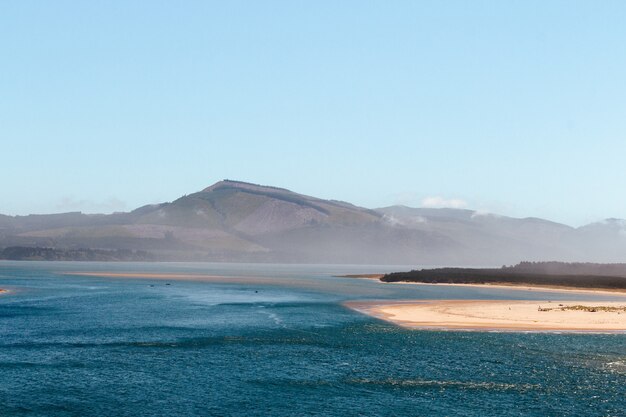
[183,277]
[501,315]
[525,287]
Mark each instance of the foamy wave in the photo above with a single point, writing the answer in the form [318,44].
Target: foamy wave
[445,384]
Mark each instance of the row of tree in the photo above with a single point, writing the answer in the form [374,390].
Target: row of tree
[23,253]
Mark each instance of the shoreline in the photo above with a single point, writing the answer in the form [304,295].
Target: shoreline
[451,314]
[369,277]
[500,315]
[145,275]
[219,279]
[504,285]
[524,287]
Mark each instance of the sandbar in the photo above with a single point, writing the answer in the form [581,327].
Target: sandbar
[524,287]
[374,277]
[181,277]
[148,275]
[577,316]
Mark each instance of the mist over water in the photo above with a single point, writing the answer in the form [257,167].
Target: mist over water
[72,345]
[243,222]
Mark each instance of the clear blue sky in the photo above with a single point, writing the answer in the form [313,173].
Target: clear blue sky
[516,107]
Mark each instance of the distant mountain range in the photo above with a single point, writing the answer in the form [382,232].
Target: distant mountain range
[241,222]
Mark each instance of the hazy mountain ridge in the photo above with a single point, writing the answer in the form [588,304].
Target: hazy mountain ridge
[238,221]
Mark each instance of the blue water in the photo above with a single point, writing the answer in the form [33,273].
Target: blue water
[277,341]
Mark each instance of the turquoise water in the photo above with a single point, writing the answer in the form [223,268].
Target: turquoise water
[85,346]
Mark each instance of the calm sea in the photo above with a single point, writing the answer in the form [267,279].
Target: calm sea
[277,341]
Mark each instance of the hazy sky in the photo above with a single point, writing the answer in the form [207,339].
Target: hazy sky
[517,107]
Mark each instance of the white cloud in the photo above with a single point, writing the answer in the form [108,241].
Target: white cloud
[484,213]
[391,220]
[413,220]
[440,202]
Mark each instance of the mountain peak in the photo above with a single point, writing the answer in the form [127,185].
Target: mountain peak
[233,184]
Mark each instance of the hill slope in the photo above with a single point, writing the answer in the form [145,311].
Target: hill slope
[238,221]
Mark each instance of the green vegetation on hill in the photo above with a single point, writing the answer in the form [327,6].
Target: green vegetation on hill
[235,221]
[20,253]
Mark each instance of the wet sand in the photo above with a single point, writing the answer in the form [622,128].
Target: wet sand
[147,275]
[372,277]
[376,276]
[596,316]
[182,277]
[524,287]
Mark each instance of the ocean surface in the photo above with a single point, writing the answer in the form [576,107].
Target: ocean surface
[276,340]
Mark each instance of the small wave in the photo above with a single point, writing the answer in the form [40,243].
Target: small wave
[25,364]
[277,320]
[618,366]
[429,383]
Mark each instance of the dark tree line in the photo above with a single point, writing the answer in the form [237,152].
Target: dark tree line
[23,253]
[608,276]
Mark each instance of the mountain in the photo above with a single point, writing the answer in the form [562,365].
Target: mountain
[238,221]
[480,233]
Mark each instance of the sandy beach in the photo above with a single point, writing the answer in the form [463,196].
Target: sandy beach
[592,316]
[181,277]
[374,277]
[148,275]
[525,287]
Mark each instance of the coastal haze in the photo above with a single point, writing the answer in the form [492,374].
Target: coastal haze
[423,213]
[244,222]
